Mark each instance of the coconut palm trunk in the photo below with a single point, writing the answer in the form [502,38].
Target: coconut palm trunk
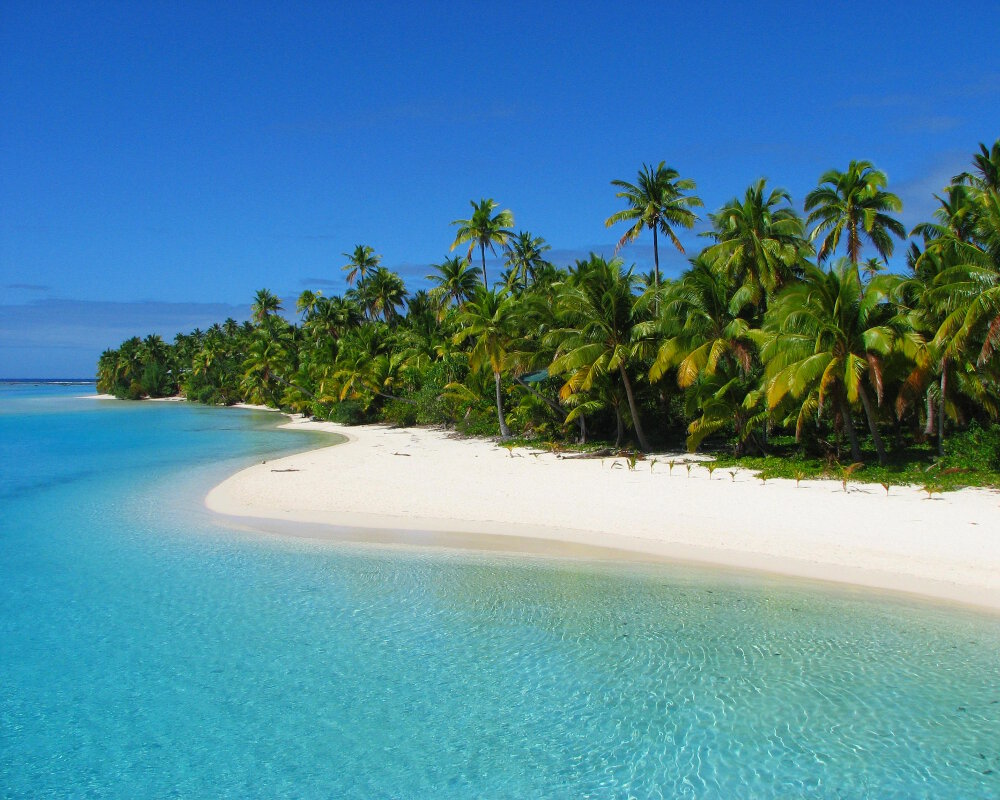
[852,434]
[656,266]
[944,387]
[866,401]
[639,434]
[504,430]
[482,252]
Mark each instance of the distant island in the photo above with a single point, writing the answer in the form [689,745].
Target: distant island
[786,344]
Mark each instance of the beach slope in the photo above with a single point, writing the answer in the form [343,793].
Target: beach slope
[426,486]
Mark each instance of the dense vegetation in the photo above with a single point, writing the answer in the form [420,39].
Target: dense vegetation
[787,334]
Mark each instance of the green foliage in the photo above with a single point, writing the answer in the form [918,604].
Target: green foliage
[348,412]
[976,449]
[754,352]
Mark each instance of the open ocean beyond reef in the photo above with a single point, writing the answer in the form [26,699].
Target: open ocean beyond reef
[147,650]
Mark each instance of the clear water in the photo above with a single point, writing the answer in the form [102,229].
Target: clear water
[146,651]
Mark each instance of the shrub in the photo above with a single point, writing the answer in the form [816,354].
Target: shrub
[348,412]
[397,412]
[976,448]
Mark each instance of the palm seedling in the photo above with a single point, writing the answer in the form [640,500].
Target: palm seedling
[846,473]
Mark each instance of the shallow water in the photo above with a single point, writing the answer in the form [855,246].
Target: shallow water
[147,651]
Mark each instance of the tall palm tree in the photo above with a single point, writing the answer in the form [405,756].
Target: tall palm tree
[334,316]
[827,337]
[361,262]
[854,202]
[487,319]
[265,306]
[759,245]
[656,202]
[600,337]
[455,281]
[987,169]
[485,229]
[387,293]
[524,259]
[955,217]
[307,302]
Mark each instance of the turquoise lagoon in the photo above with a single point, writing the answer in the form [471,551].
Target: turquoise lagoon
[148,651]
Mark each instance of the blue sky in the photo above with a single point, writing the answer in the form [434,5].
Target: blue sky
[159,162]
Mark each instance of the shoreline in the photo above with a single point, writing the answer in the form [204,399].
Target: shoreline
[432,489]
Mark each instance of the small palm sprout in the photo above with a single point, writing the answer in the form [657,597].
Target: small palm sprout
[671,463]
[509,447]
[688,466]
[847,472]
[710,466]
[652,464]
[799,475]
[631,459]
[886,485]
[732,475]
[931,488]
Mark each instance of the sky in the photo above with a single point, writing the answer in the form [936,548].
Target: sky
[160,162]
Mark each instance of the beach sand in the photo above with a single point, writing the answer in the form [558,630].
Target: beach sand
[420,486]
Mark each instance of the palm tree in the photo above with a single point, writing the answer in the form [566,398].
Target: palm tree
[267,359]
[487,319]
[307,302]
[361,262]
[264,308]
[971,284]
[387,293]
[106,369]
[485,229]
[334,316]
[708,342]
[955,217]
[601,337]
[854,202]
[656,202]
[758,244]
[827,337]
[456,281]
[987,169]
[872,267]
[524,259]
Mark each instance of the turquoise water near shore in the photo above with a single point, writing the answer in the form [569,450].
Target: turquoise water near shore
[148,651]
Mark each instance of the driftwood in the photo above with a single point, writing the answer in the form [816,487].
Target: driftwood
[604,452]
[284,470]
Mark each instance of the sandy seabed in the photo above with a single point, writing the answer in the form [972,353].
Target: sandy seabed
[421,486]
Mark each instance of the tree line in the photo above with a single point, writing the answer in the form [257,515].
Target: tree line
[784,324]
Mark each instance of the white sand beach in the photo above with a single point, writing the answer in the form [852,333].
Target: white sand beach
[426,486]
